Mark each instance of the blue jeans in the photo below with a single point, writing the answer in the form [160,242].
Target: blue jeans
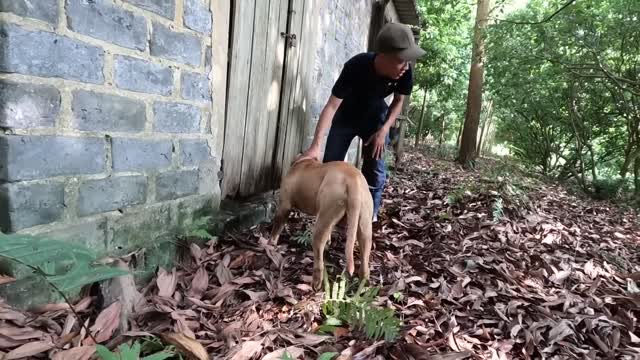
[338,141]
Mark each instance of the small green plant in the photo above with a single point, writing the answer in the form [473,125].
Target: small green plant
[328,356]
[357,310]
[286,356]
[198,228]
[130,352]
[455,196]
[498,211]
[304,239]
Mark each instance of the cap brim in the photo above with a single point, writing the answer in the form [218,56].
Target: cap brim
[411,53]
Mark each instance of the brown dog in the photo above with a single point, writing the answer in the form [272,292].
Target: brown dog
[328,191]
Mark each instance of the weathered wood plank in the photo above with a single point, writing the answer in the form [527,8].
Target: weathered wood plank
[275,53]
[256,116]
[288,125]
[242,33]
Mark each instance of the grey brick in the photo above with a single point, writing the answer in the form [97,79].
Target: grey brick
[101,19]
[207,59]
[195,87]
[176,117]
[37,157]
[176,184]
[97,196]
[91,233]
[193,152]
[27,105]
[166,8]
[142,76]
[136,154]
[103,112]
[29,205]
[180,47]
[46,10]
[46,54]
[197,16]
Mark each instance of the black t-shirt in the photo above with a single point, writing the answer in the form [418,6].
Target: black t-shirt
[363,91]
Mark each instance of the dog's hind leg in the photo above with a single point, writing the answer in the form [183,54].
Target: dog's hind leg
[325,221]
[282,214]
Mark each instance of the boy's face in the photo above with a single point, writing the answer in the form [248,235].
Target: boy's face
[392,66]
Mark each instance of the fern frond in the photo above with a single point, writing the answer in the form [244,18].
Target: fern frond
[65,265]
[358,310]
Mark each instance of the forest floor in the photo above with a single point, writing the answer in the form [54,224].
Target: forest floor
[485,264]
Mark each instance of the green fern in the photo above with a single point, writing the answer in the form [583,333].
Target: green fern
[198,228]
[127,352]
[358,310]
[498,210]
[304,239]
[64,265]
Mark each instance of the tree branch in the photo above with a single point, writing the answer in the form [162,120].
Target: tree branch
[547,19]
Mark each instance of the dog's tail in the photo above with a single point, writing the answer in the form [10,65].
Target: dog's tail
[353,218]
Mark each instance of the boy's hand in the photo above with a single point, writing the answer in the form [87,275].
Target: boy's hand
[377,140]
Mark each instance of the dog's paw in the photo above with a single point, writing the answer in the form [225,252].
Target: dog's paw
[316,283]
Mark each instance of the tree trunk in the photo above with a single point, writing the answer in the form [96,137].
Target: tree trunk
[485,124]
[636,178]
[421,120]
[468,143]
[442,129]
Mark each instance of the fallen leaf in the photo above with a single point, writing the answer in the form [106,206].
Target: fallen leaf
[368,352]
[78,353]
[560,331]
[293,352]
[304,287]
[248,350]
[29,349]
[199,283]
[190,347]
[340,331]
[20,333]
[223,273]
[166,282]
[106,323]
[5,279]
[634,338]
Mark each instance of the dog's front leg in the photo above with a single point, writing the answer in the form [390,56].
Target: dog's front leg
[278,222]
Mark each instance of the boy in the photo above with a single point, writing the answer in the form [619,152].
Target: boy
[356,106]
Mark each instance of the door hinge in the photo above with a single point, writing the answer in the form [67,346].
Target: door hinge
[291,38]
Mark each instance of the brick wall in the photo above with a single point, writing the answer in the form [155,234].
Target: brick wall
[344,29]
[105,118]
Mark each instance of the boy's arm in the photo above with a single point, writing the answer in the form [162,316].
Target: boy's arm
[324,122]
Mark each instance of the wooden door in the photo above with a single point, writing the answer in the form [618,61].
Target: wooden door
[256,68]
[295,94]
[267,93]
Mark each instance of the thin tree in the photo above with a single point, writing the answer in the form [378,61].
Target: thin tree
[467,151]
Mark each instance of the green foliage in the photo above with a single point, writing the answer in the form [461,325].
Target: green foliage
[64,265]
[444,71]
[199,228]
[357,310]
[328,356]
[457,195]
[304,239]
[567,91]
[607,189]
[286,356]
[497,212]
[131,352]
